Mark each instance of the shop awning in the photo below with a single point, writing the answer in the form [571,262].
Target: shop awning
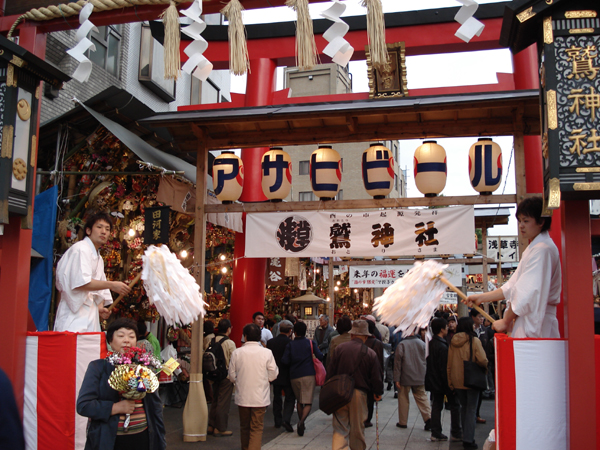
[143,150]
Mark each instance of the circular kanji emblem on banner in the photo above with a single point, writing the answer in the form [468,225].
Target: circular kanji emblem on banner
[294,234]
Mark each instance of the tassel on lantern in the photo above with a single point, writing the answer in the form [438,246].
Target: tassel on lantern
[238,51]
[170,17]
[306,49]
[376,33]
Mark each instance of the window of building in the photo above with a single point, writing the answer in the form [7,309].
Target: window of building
[306,196]
[342,164]
[340,195]
[152,67]
[108,42]
[204,92]
[304,167]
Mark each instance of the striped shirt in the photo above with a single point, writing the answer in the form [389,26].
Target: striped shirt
[137,420]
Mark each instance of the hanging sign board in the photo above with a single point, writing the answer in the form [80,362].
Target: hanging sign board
[503,248]
[361,234]
[275,275]
[156,225]
[384,276]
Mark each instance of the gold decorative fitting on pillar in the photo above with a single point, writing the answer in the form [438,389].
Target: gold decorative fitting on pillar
[580,14]
[7,141]
[33,157]
[526,15]
[23,110]
[17,61]
[19,169]
[11,78]
[586,186]
[551,105]
[587,169]
[554,194]
[548,35]
[581,30]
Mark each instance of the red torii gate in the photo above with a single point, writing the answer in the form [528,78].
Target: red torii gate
[573,230]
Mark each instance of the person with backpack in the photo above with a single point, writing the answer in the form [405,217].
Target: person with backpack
[218,355]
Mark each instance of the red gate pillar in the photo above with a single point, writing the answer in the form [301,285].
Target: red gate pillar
[15,266]
[248,284]
[526,76]
[579,323]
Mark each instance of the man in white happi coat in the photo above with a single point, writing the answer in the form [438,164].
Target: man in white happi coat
[533,291]
[80,278]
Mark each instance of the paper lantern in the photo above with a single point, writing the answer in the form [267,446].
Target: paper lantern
[228,177]
[378,170]
[485,166]
[430,168]
[325,172]
[276,169]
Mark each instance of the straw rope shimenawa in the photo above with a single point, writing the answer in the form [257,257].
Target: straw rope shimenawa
[306,48]
[238,50]
[376,33]
[170,17]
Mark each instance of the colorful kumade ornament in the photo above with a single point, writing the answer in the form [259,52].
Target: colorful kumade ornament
[228,177]
[276,169]
[325,172]
[430,168]
[378,170]
[485,166]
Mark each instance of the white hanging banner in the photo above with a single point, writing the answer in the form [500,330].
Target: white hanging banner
[361,234]
[384,276]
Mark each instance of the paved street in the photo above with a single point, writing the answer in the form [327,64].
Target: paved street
[319,430]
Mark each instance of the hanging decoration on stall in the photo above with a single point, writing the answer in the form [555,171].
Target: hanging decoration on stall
[339,49]
[470,26]
[238,48]
[276,174]
[157,225]
[388,80]
[197,64]
[485,166]
[570,81]
[378,170]
[170,287]
[376,33]
[430,168]
[383,276]
[356,234]
[325,172]
[228,177]
[84,69]
[306,49]
[172,58]
[275,275]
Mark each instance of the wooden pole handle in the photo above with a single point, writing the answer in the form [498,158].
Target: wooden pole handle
[120,297]
[462,295]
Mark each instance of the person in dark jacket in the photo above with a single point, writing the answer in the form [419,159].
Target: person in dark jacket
[436,382]
[107,411]
[299,356]
[11,427]
[377,346]
[356,359]
[282,383]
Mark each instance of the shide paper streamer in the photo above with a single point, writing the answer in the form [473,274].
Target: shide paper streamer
[84,69]
[470,26]
[197,64]
[338,48]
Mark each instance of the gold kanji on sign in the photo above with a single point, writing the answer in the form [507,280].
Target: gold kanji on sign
[582,62]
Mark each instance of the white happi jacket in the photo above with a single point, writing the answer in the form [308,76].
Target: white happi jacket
[78,309]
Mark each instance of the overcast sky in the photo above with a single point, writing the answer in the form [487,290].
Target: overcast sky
[462,69]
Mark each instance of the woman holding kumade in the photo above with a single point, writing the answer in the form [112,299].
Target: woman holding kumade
[118,423]
[533,291]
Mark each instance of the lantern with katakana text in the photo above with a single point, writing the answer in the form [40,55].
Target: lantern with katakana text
[430,168]
[325,172]
[228,177]
[276,170]
[378,170]
[485,166]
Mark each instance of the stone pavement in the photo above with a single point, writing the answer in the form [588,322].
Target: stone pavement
[319,430]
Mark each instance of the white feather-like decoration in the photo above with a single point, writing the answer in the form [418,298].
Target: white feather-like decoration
[410,302]
[170,287]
